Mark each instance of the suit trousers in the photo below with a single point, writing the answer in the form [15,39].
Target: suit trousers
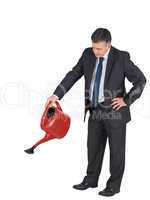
[103,124]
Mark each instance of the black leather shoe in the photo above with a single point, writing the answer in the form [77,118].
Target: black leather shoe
[108,192]
[84,185]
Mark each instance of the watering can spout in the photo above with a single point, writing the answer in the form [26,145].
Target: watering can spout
[54,122]
[30,150]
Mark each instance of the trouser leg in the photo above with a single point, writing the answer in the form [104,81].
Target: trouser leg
[96,143]
[117,137]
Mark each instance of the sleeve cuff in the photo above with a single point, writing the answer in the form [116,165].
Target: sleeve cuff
[126,101]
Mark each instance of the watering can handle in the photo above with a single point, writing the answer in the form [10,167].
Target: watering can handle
[57,104]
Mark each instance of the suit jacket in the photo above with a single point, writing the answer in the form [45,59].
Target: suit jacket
[118,67]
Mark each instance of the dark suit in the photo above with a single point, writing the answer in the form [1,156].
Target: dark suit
[118,67]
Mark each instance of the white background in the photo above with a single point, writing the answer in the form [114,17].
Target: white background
[40,41]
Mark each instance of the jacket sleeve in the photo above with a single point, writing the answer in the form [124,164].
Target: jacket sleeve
[136,77]
[70,78]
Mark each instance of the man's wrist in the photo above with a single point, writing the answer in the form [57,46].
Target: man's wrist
[56,96]
[126,101]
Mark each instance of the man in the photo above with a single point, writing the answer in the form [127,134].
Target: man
[104,68]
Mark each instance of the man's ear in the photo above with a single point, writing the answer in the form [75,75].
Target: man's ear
[109,44]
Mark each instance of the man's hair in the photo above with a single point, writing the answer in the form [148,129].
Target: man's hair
[101,35]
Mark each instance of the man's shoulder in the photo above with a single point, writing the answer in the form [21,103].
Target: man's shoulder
[86,54]
[121,52]
[88,50]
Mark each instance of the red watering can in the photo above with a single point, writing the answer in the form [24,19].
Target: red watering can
[54,122]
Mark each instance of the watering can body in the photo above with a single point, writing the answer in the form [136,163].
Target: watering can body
[54,122]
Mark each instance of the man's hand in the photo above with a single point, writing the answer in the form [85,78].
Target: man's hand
[118,103]
[51,99]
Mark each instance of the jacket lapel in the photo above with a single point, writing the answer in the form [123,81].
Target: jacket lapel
[92,66]
[109,65]
[110,62]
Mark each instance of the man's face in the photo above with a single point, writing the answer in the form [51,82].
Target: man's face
[100,48]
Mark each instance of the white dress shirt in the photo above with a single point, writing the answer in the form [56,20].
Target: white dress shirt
[101,87]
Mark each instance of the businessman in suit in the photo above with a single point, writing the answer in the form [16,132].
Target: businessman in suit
[104,68]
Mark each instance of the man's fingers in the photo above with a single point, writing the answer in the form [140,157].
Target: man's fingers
[115,99]
[51,103]
[115,106]
[115,102]
[118,107]
[47,103]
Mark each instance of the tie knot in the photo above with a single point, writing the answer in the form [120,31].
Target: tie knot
[101,59]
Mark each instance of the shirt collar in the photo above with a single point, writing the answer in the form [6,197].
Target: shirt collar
[106,54]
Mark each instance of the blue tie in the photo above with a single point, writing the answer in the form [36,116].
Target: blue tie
[97,83]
